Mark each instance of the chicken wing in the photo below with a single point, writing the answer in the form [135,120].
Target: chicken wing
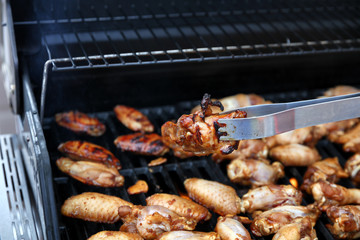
[198,132]
[352,167]
[346,221]
[181,206]
[231,229]
[349,135]
[268,197]
[79,150]
[115,235]
[296,136]
[334,130]
[301,229]
[187,235]
[340,90]
[80,123]
[95,207]
[328,169]
[295,155]
[133,119]
[91,173]
[271,221]
[218,197]
[254,172]
[353,145]
[144,144]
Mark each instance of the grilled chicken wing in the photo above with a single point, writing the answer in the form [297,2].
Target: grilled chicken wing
[189,235]
[352,167]
[349,135]
[328,169]
[95,207]
[334,130]
[197,132]
[301,229]
[299,136]
[340,90]
[295,155]
[218,197]
[254,172]
[353,145]
[330,194]
[346,221]
[268,197]
[231,229]
[151,221]
[144,144]
[271,221]
[181,206]
[91,173]
[80,123]
[115,235]
[133,119]
[79,150]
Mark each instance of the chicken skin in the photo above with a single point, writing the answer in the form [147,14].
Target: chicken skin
[143,144]
[346,221]
[85,151]
[95,207]
[352,167]
[133,119]
[301,229]
[218,197]
[267,197]
[254,172]
[181,206]
[115,235]
[231,229]
[91,173]
[198,132]
[189,235]
[80,123]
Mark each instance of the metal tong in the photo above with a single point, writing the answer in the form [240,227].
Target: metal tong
[270,119]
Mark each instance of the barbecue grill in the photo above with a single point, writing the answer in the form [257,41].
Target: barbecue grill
[159,57]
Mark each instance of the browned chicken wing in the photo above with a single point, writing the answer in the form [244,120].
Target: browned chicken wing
[353,145]
[334,130]
[198,132]
[133,119]
[349,135]
[254,172]
[231,229]
[80,123]
[301,229]
[299,136]
[346,221]
[340,90]
[218,197]
[268,197]
[189,235]
[295,155]
[91,173]
[115,235]
[352,167]
[79,150]
[95,207]
[181,206]
[144,144]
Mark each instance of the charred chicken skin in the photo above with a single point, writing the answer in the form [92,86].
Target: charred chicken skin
[301,229]
[198,132]
[143,144]
[80,123]
[85,151]
[115,235]
[346,221]
[352,167]
[231,229]
[189,235]
[133,119]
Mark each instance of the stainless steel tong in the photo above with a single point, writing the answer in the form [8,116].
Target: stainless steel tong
[270,119]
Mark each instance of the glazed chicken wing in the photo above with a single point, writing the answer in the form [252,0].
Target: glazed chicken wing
[254,172]
[189,235]
[218,197]
[80,123]
[231,229]
[85,151]
[352,167]
[133,119]
[144,144]
[95,207]
[181,206]
[115,235]
[301,229]
[91,173]
[346,221]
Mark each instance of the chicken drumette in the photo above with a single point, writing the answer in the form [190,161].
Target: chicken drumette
[300,229]
[346,221]
[352,167]
[133,119]
[230,229]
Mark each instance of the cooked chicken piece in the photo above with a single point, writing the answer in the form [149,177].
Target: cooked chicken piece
[253,148]
[334,130]
[139,187]
[301,229]
[198,132]
[268,197]
[340,90]
[231,229]
[80,123]
[133,119]
[180,153]
[328,169]
[346,221]
[328,194]
[295,155]
[115,235]
[349,135]
[254,172]
[352,167]
[187,235]
[95,207]
[157,162]
[144,144]
[85,151]
[353,145]
[271,221]
[151,221]
[296,136]
[218,197]
[91,173]
[129,227]
[181,206]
